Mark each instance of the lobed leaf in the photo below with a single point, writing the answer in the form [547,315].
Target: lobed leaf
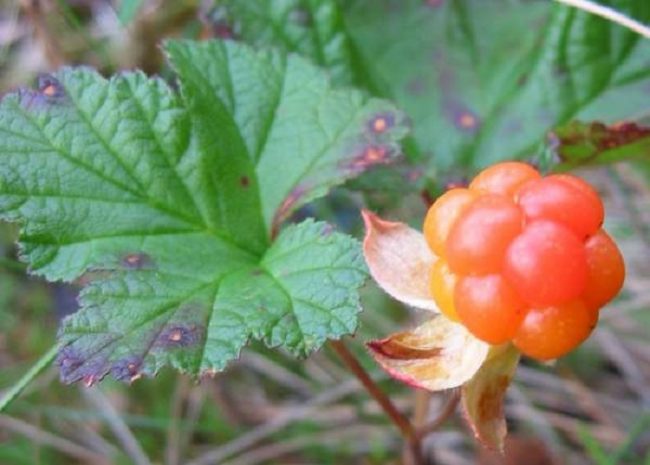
[300,135]
[170,201]
[195,308]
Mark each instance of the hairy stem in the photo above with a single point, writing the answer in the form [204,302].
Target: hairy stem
[28,377]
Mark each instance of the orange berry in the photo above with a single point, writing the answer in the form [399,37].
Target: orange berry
[546,264]
[606,270]
[443,214]
[478,240]
[551,332]
[504,178]
[442,285]
[564,199]
[489,307]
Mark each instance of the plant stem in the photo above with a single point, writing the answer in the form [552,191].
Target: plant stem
[610,14]
[401,421]
[445,412]
[28,377]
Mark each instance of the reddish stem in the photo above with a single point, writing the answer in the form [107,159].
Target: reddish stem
[399,419]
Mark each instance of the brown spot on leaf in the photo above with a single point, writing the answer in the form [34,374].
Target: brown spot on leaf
[69,360]
[127,369]
[244,181]
[461,115]
[50,87]
[180,336]
[175,335]
[381,123]
[74,365]
[137,261]
[371,155]
[466,120]
[434,3]
[49,92]
[286,207]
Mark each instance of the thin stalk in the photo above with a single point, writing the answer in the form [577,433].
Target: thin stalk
[28,377]
[609,14]
[400,420]
[445,413]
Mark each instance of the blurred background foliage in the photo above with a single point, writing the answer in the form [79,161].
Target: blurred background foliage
[481,80]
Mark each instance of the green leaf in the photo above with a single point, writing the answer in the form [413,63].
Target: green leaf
[301,135]
[482,80]
[313,28]
[169,201]
[196,311]
[578,143]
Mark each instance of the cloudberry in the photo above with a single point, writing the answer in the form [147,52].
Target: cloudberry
[523,258]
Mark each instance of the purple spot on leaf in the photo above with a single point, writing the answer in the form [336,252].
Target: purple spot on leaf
[73,366]
[180,336]
[50,87]
[381,123]
[69,360]
[127,369]
[49,92]
[462,117]
[370,155]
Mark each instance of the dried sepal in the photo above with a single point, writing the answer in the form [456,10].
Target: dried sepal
[399,261]
[437,355]
[483,396]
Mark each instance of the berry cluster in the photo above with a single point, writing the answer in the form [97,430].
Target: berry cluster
[523,258]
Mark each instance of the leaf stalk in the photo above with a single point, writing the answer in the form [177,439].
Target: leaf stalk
[28,377]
